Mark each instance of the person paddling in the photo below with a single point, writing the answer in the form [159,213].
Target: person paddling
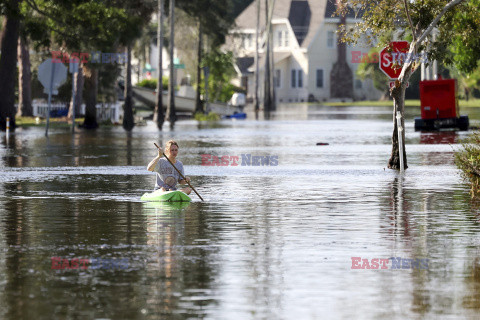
[167,176]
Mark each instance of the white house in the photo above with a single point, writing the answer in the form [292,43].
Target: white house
[305,52]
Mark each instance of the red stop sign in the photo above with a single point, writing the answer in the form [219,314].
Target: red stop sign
[392,58]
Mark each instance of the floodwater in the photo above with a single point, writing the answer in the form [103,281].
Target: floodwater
[269,242]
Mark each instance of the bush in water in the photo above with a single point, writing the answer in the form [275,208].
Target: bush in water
[468,160]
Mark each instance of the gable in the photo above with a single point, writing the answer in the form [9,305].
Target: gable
[299,17]
[304,16]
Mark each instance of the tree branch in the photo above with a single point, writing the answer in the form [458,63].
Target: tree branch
[432,25]
[35,7]
[414,34]
[414,44]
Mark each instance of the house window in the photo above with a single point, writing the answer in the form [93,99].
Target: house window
[319,78]
[330,39]
[277,79]
[282,38]
[247,41]
[297,78]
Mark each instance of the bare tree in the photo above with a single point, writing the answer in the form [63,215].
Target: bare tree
[171,113]
[128,122]
[257,68]
[158,115]
[198,102]
[8,65]
[78,92]
[24,79]
[91,88]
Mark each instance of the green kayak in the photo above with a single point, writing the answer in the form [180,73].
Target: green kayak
[170,196]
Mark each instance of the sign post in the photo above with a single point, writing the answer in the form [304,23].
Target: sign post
[391,61]
[73,70]
[51,75]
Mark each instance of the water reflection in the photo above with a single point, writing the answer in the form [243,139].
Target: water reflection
[471,300]
[181,266]
[268,242]
[399,205]
[440,137]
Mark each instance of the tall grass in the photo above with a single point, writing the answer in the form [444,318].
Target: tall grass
[468,160]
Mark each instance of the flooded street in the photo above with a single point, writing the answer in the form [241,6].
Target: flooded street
[269,242]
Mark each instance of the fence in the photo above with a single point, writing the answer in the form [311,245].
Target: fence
[105,111]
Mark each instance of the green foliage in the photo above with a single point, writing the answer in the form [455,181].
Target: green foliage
[152,83]
[215,16]
[212,116]
[468,85]
[372,71]
[221,72]
[468,160]
[465,40]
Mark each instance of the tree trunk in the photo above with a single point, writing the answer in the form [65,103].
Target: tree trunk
[24,80]
[198,101]
[91,87]
[257,68]
[141,60]
[8,65]
[267,98]
[398,95]
[78,88]
[158,115]
[398,91]
[273,105]
[171,112]
[128,122]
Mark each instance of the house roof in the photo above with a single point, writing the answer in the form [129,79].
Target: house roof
[305,17]
[299,17]
[277,57]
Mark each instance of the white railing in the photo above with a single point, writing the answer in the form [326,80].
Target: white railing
[108,111]
[105,111]
[40,109]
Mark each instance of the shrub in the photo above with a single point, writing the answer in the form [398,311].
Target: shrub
[468,160]
[212,116]
[152,83]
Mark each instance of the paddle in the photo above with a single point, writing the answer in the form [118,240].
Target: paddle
[181,175]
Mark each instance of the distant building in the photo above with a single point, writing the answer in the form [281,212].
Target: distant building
[151,72]
[308,61]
